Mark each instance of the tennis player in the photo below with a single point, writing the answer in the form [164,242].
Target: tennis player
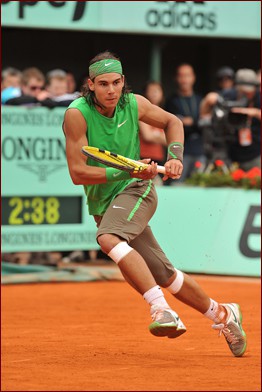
[107,116]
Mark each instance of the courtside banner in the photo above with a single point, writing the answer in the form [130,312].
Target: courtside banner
[187,18]
[41,208]
[210,230]
[203,230]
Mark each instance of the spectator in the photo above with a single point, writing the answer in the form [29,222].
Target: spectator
[71,82]
[244,146]
[11,77]
[225,78]
[32,85]
[10,84]
[152,139]
[34,92]
[184,103]
[57,87]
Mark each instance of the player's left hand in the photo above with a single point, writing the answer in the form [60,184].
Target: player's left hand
[174,168]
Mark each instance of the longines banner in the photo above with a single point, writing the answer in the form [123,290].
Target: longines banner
[201,230]
[236,19]
[41,208]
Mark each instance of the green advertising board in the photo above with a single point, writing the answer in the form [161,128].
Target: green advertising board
[41,208]
[210,230]
[201,230]
[236,19]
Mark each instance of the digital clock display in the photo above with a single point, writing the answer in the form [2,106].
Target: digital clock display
[39,210]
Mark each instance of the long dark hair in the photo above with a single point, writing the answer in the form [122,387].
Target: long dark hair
[90,95]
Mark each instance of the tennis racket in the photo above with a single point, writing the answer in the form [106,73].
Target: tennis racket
[118,161]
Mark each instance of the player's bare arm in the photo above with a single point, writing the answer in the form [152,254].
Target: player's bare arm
[174,131]
[75,132]
[80,172]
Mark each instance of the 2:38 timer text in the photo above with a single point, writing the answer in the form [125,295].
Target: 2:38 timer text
[38,210]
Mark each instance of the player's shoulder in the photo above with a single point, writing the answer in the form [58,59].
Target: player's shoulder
[78,102]
[142,102]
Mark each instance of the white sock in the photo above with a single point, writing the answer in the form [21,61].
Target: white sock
[215,312]
[155,296]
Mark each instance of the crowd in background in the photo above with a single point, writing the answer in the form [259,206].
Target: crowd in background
[32,88]
[58,88]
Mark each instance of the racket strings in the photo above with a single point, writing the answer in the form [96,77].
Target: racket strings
[114,160]
[128,163]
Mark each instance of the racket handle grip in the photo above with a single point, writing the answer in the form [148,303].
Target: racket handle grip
[161,169]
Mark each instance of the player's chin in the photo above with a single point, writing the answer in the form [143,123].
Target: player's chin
[111,102]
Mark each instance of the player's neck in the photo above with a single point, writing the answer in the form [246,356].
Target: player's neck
[107,112]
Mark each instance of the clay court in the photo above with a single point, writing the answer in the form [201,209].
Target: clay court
[94,337]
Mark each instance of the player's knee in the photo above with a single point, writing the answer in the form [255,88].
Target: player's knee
[176,283]
[107,242]
[120,251]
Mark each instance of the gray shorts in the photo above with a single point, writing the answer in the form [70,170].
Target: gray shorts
[127,217]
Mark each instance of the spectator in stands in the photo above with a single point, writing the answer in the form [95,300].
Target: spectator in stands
[34,92]
[152,139]
[225,78]
[71,82]
[57,86]
[244,148]
[32,86]
[184,103]
[10,84]
[11,77]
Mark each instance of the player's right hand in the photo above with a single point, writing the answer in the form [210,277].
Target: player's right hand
[147,174]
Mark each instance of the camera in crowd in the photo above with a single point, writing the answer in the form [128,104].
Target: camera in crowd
[224,118]
[221,128]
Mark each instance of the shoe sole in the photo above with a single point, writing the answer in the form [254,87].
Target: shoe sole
[170,331]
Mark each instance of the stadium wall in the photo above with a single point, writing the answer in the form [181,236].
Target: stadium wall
[201,230]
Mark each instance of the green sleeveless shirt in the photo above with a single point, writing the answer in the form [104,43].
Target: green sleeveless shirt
[118,134]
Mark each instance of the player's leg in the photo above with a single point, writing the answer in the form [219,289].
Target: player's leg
[227,317]
[129,261]
[135,206]
[178,283]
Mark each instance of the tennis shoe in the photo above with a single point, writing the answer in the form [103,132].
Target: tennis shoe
[166,322]
[232,330]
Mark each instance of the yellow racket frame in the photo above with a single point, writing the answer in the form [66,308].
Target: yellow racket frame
[117,161]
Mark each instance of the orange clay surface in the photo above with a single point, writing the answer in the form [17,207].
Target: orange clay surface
[94,337]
